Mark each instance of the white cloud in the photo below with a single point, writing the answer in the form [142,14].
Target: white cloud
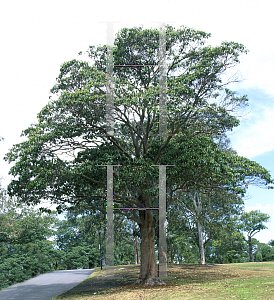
[253,138]
[258,71]
[255,135]
[267,208]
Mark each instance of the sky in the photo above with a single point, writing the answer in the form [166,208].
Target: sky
[38,36]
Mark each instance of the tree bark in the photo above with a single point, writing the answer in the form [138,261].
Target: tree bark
[148,263]
[198,209]
[172,254]
[136,250]
[218,258]
[148,270]
[201,243]
[251,256]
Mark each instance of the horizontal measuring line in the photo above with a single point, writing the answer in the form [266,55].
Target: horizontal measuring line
[134,65]
[136,208]
[109,165]
[151,135]
[130,166]
[160,134]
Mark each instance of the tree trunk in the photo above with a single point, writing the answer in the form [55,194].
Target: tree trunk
[148,271]
[251,257]
[198,210]
[172,254]
[148,265]
[201,243]
[139,258]
[218,258]
[136,251]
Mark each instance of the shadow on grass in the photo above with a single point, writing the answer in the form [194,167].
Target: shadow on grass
[100,284]
[125,279]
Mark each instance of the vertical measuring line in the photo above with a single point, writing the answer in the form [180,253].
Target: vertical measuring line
[162,251]
[162,82]
[110,230]
[109,221]
[109,64]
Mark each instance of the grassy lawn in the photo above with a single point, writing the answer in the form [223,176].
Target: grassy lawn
[231,281]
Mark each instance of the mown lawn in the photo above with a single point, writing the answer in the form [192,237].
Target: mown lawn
[231,281]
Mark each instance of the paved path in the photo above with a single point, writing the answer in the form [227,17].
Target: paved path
[46,286]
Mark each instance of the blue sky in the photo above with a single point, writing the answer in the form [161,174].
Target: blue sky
[37,37]
[254,140]
[263,199]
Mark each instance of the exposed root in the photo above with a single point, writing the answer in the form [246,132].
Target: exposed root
[149,281]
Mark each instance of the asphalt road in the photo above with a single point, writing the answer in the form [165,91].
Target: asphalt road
[45,286]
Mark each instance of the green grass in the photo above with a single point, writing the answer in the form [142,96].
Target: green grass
[231,281]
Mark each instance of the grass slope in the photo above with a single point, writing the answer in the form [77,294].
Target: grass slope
[231,281]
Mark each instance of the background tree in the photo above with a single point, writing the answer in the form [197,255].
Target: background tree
[217,179]
[259,256]
[271,243]
[25,246]
[252,223]
[74,247]
[228,243]
[206,214]
[74,122]
[181,246]
[136,243]
[79,234]
[216,183]
[266,252]
[125,243]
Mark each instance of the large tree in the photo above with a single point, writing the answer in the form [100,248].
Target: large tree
[74,123]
